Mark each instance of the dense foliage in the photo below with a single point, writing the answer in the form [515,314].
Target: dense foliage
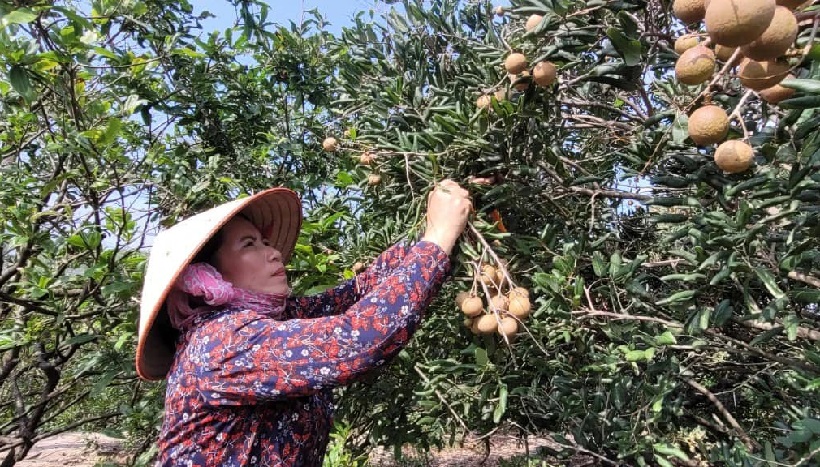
[675,306]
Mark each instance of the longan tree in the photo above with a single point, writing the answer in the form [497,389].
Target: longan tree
[632,171]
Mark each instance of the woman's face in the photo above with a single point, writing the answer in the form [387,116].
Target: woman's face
[248,261]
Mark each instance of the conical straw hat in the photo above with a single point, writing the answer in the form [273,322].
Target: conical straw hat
[275,212]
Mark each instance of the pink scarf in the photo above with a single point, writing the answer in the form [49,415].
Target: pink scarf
[203,281]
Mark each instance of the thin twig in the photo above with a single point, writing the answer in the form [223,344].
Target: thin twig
[749,442]
[587,314]
[805,278]
[736,114]
[808,456]
[441,398]
[729,64]
[492,253]
[409,182]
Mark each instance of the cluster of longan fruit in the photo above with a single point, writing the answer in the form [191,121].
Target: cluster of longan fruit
[519,72]
[760,33]
[502,313]
[331,144]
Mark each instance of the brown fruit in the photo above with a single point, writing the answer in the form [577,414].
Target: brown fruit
[696,65]
[777,93]
[519,292]
[734,156]
[486,324]
[519,307]
[724,53]
[330,144]
[357,267]
[708,125]
[544,73]
[499,277]
[472,306]
[686,42]
[776,39]
[689,11]
[499,303]
[761,75]
[461,296]
[520,82]
[488,275]
[374,179]
[499,11]
[532,22]
[483,101]
[737,22]
[366,158]
[507,327]
[515,63]
[500,95]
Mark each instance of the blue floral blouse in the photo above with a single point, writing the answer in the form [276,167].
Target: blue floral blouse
[248,390]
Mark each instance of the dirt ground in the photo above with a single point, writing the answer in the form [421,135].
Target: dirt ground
[73,449]
[87,449]
[502,448]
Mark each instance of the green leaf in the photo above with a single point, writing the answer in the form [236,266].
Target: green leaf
[812,424]
[614,264]
[683,277]
[637,355]
[770,282]
[79,340]
[18,76]
[481,357]
[598,264]
[811,86]
[131,104]
[103,383]
[669,450]
[678,297]
[501,407]
[628,48]
[680,128]
[667,338]
[723,312]
[805,295]
[20,16]
[804,102]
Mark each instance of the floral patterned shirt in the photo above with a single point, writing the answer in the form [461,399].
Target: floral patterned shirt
[248,390]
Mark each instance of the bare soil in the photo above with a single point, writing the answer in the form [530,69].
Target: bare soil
[77,449]
[74,449]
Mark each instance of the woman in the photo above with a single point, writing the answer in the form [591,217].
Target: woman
[250,370]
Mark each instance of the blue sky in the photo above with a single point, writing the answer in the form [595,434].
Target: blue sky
[337,12]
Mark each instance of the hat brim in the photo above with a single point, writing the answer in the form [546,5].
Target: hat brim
[277,212]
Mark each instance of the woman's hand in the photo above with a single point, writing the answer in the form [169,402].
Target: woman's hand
[448,207]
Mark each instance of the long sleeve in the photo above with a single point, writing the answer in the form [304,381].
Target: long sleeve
[338,299]
[244,358]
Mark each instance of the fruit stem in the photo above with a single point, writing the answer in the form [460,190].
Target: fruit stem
[736,114]
[729,64]
[490,251]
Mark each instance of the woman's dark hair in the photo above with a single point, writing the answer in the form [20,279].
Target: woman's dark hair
[207,252]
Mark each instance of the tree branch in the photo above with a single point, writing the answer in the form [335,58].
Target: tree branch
[749,442]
